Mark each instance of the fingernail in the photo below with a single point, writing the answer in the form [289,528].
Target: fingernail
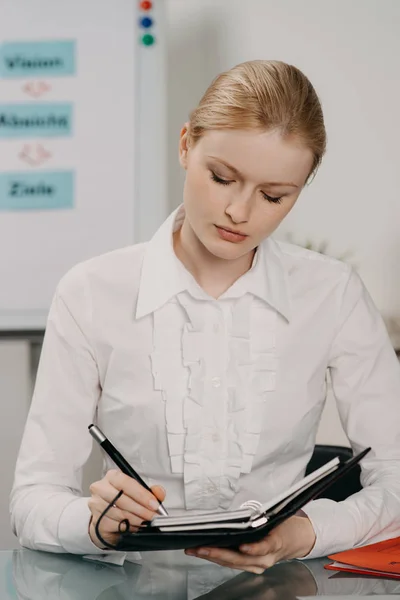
[245,548]
[154,504]
[258,571]
[203,552]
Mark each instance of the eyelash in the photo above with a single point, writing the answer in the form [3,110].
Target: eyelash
[271,199]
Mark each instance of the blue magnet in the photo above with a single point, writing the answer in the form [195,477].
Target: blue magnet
[146,22]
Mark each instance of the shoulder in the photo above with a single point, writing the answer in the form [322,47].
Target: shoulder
[109,270]
[299,261]
[320,275]
[298,257]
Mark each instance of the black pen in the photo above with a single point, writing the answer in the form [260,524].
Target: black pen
[120,461]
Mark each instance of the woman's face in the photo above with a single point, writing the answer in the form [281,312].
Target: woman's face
[239,186]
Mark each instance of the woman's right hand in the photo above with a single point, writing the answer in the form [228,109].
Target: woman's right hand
[136,504]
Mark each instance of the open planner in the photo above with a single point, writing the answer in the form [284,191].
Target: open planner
[251,522]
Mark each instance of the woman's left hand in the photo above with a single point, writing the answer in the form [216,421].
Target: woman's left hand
[294,538]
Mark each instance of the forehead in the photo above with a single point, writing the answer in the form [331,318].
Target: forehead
[259,156]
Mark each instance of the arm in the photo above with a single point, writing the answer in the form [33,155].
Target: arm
[365,377]
[47,510]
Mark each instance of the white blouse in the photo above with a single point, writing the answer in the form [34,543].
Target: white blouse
[217,400]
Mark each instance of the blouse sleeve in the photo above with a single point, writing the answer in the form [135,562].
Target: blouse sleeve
[365,375]
[48,511]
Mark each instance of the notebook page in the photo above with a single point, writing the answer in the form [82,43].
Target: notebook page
[210,517]
[303,483]
[246,513]
[288,499]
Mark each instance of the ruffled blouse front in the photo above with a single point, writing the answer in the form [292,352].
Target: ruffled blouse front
[214,365]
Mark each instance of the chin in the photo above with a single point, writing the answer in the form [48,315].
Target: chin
[225,250]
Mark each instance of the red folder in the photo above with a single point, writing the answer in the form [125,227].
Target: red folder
[380,560]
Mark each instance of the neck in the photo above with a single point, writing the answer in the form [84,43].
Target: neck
[215,275]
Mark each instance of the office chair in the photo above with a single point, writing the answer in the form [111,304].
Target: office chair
[348,484]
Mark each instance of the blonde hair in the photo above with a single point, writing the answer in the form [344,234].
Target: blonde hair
[263,95]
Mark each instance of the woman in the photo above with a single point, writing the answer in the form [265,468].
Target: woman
[203,353]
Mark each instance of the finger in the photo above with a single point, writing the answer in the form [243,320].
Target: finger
[114,516]
[106,490]
[221,555]
[109,525]
[234,559]
[131,507]
[159,492]
[134,490]
[218,561]
[248,568]
[261,548]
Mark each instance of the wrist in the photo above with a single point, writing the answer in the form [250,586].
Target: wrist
[305,536]
[92,534]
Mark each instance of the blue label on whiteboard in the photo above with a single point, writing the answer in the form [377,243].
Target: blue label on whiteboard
[46,190]
[35,120]
[34,59]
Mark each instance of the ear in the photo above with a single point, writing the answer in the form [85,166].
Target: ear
[184,145]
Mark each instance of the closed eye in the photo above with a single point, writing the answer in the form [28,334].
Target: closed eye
[221,181]
[272,199]
[217,179]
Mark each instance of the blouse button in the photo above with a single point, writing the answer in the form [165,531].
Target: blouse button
[216,328]
[215,437]
[216,382]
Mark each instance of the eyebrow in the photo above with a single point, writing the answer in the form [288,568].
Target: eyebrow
[234,170]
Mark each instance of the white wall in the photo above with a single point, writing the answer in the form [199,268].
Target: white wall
[15,392]
[351,52]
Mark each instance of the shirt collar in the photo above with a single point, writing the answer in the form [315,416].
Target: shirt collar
[163,276]
[267,279]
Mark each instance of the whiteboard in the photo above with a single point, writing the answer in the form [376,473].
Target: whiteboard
[82,141]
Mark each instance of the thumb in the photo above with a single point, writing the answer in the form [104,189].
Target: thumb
[159,492]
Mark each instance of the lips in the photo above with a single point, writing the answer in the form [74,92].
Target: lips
[232,231]
[230,236]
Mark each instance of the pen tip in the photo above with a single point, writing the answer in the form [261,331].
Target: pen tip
[162,511]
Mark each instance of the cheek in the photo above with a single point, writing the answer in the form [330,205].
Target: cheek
[279,211]
[272,217]
[200,192]
[194,184]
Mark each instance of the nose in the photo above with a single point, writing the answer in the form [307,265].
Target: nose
[239,209]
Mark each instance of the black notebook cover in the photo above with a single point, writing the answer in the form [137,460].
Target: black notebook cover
[151,538]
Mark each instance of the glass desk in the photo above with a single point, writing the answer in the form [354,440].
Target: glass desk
[31,575]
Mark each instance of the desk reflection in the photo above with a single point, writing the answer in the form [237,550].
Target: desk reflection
[172,576]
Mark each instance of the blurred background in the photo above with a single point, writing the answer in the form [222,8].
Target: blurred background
[131,84]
